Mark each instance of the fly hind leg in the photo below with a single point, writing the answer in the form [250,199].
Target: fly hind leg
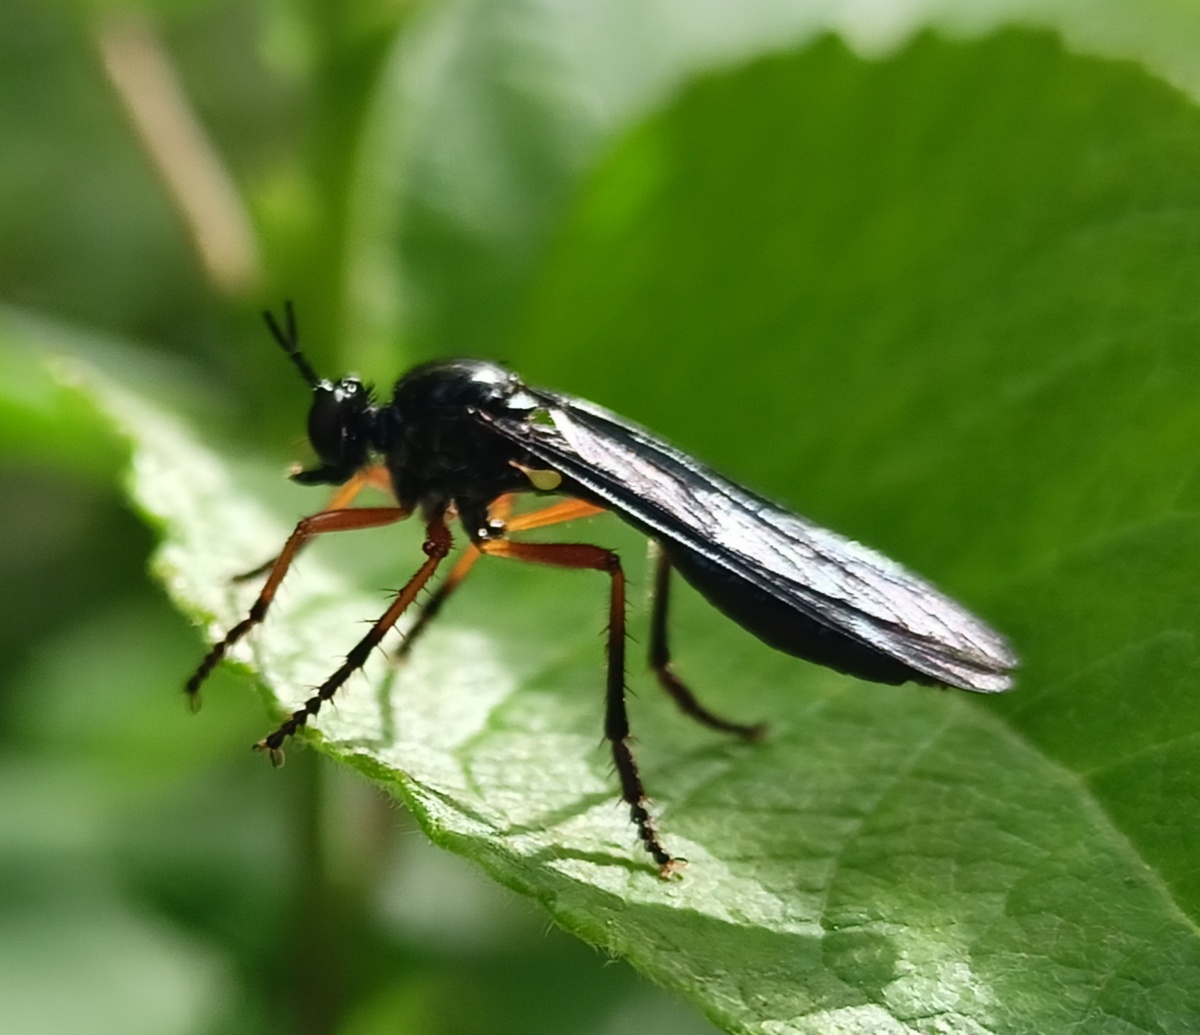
[660,663]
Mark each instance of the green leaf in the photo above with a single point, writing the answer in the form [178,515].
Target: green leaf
[493,111]
[965,276]
[945,302]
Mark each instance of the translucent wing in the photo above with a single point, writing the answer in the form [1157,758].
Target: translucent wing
[727,539]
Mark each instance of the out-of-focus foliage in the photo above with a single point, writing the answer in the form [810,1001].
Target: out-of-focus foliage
[936,291]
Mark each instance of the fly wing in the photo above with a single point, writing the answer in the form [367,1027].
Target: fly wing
[824,576]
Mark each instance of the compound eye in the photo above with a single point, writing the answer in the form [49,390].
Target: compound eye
[327,423]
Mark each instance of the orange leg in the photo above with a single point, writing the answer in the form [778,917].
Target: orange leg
[376,477]
[437,546]
[318,524]
[567,510]
[616,722]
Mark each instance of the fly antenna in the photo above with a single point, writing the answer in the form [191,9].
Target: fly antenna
[288,337]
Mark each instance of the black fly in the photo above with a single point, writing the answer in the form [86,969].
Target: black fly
[459,438]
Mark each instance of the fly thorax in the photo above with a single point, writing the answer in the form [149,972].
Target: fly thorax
[437,447]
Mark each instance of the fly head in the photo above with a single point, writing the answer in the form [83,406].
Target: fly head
[341,421]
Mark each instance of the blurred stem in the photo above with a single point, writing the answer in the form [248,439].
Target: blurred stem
[343,834]
[178,148]
[326,914]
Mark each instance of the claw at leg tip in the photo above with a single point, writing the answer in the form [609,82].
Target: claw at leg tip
[275,754]
[672,868]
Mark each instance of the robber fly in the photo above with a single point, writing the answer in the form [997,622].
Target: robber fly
[460,438]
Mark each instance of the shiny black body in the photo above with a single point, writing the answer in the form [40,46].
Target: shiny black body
[461,432]
[438,443]
[461,437]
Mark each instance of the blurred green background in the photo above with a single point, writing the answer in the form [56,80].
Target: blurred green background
[928,276]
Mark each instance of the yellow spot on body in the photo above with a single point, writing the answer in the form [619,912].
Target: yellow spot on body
[542,480]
